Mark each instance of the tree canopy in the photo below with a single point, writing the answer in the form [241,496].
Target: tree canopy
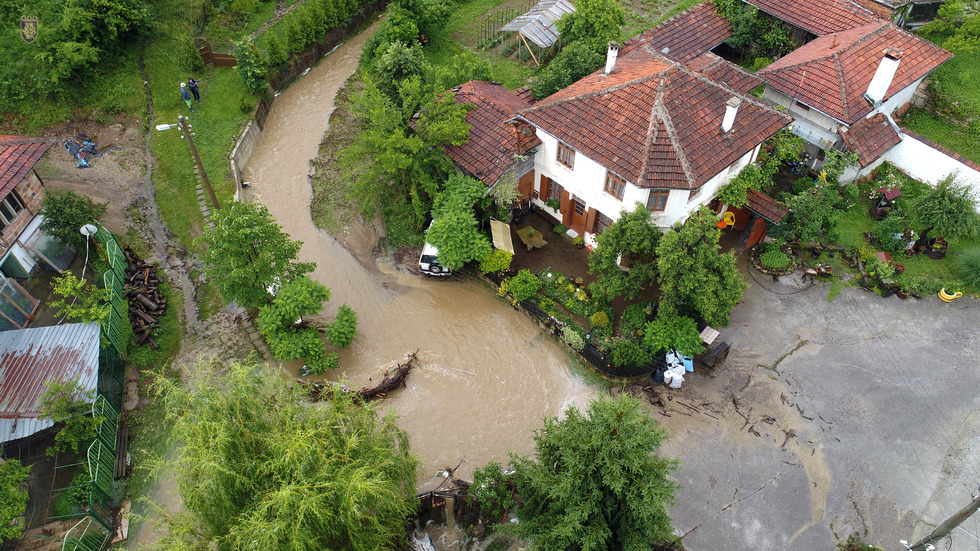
[290,337]
[594,23]
[959,21]
[693,271]
[949,209]
[573,62]
[65,214]
[13,498]
[454,228]
[632,237]
[259,467]
[247,253]
[596,481]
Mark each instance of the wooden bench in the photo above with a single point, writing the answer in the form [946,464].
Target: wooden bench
[716,354]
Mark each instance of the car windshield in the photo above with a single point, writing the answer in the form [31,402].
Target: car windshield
[429,259]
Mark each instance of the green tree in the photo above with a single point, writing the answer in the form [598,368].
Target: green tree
[66,213]
[397,63]
[462,67]
[247,253]
[959,22]
[289,336]
[342,330]
[259,467]
[673,331]
[573,62]
[816,211]
[454,228]
[251,67]
[80,300]
[68,402]
[405,166]
[631,237]
[594,23]
[784,147]
[277,52]
[494,491]
[398,25]
[596,482]
[949,209]
[693,271]
[13,498]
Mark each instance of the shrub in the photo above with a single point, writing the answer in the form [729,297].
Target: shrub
[850,193]
[572,338]
[673,331]
[888,232]
[560,229]
[490,487]
[342,330]
[774,260]
[760,63]
[630,353]
[968,265]
[497,261]
[524,285]
[599,319]
[635,316]
[803,184]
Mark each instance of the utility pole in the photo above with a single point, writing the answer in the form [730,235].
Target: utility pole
[947,525]
[185,128]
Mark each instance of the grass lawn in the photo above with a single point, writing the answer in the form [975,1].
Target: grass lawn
[956,85]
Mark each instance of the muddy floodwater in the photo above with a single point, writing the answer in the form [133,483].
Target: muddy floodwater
[485,373]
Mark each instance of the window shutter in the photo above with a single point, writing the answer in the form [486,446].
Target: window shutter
[566,211]
[590,220]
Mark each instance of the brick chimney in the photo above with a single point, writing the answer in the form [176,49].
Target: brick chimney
[883,77]
[731,109]
[611,56]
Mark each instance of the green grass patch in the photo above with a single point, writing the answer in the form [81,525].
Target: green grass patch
[958,78]
[944,132]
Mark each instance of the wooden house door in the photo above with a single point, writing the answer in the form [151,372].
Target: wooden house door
[577,215]
[525,186]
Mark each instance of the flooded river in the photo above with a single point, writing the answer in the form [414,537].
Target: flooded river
[486,374]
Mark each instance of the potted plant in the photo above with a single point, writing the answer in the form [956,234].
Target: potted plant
[560,228]
[530,232]
[553,204]
[579,242]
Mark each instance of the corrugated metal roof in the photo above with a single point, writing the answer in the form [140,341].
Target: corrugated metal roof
[31,357]
[538,25]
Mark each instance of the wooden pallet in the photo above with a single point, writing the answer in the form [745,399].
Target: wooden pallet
[122,454]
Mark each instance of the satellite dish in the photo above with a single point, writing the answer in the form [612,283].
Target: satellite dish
[88,230]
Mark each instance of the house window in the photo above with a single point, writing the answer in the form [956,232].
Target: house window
[658,199]
[9,207]
[579,206]
[694,193]
[601,223]
[566,155]
[554,191]
[615,185]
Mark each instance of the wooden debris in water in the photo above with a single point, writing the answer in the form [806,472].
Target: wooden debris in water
[393,379]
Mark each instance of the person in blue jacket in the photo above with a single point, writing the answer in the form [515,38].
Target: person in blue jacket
[192,84]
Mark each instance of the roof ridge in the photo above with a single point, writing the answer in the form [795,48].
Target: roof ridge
[842,86]
[651,132]
[538,106]
[882,24]
[675,140]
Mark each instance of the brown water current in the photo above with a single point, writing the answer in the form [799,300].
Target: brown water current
[485,374]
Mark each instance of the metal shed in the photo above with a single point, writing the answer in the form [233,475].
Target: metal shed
[538,24]
[31,357]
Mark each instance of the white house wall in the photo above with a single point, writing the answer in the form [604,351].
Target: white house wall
[924,163]
[587,179]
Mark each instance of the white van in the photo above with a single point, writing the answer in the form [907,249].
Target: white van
[429,260]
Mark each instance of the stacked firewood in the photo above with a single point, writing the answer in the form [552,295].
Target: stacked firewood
[146,303]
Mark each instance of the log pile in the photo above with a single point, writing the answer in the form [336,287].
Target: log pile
[146,303]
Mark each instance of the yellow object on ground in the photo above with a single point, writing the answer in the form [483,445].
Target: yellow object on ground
[501,236]
[947,297]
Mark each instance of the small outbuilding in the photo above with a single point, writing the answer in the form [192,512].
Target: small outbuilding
[539,24]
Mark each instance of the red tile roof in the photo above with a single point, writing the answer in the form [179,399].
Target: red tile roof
[654,122]
[493,142]
[766,206]
[725,72]
[686,35]
[870,138]
[832,72]
[18,155]
[818,16]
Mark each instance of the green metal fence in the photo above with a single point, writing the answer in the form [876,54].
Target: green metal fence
[85,536]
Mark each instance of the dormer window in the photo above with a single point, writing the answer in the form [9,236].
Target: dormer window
[566,155]
[615,185]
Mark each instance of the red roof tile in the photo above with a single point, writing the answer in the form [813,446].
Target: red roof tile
[654,122]
[832,72]
[686,35]
[818,16]
[725,72]
[18,155]
[766,206]
[493,142]
[870,138]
